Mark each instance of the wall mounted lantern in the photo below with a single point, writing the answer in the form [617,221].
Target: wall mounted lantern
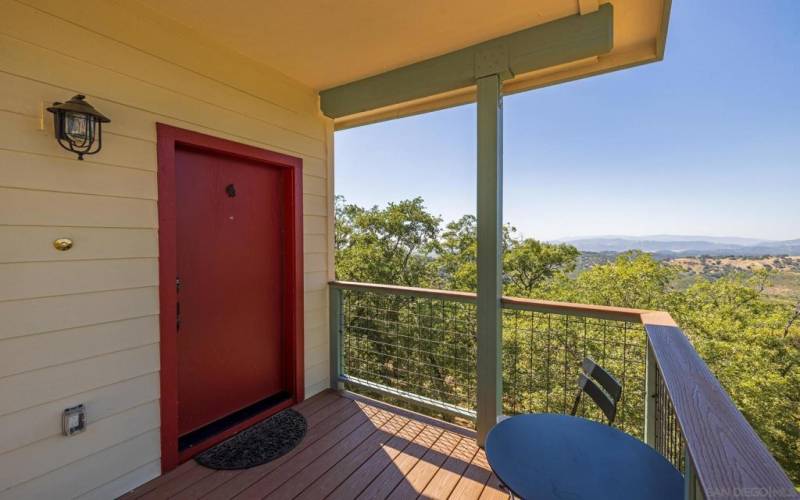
[78,126]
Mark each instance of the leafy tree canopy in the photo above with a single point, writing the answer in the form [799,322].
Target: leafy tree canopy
[750,343]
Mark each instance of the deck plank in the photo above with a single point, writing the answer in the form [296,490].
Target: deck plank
[334,476]
[494,490]
[178,484]
[354,448]
[396,471]
[472,482]
[375,465]
[300,481]
[160,481]
[427,467]
[448,475]
[208,483]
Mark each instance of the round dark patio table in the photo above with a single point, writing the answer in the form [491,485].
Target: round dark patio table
[548,456]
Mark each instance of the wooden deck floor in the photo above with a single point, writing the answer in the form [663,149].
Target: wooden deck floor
[354,448]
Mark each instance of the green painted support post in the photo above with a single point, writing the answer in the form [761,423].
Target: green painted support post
[490,253]
[336,322]
[650,397]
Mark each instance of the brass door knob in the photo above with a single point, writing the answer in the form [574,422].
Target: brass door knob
[62,244]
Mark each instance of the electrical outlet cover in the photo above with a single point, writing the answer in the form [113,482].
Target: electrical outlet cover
[73,420]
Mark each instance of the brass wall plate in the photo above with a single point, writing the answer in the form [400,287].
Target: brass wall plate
[62,244]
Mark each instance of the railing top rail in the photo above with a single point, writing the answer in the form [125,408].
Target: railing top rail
[728,456]
[405,290]
[544,306]
[574,309]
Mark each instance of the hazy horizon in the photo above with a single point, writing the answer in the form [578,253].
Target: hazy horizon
[674,237]
[702,143]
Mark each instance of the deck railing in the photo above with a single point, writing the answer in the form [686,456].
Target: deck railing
[420,345]
[542,354]
[414,344]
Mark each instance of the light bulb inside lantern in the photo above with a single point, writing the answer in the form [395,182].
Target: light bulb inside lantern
[77,128]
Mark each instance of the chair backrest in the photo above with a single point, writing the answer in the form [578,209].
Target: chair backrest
[599,385]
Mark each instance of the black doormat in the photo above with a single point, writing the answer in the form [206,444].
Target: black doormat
[258,444]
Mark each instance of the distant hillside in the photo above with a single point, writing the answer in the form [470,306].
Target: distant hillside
[783,285]
[723,240]
[663,246]
[723,265]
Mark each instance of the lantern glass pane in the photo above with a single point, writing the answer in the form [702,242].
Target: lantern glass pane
[78,128]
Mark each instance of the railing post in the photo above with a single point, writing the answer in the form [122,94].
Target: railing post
[490,254]
[336,322]
[651,370]
[689,477]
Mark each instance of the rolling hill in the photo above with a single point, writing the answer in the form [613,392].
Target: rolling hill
[672,246]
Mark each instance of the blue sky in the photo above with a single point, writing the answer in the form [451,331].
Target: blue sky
[705,142]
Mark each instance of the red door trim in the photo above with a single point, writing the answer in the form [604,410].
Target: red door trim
[169,138]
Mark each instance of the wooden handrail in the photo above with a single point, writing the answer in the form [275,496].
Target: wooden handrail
[728,457]
[573,309]
[544,306]
[429,293]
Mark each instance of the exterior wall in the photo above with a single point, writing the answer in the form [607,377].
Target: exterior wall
[82,326]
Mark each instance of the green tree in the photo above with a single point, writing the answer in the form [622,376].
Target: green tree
[392,245]
[528,263]
[458,258]
[634,279]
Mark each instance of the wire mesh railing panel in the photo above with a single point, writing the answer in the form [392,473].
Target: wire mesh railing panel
[542,355]
[419,345]
[668,436]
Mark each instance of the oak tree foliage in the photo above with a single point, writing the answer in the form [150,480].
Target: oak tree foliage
[751,343]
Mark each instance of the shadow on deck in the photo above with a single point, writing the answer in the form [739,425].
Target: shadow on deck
[354,448]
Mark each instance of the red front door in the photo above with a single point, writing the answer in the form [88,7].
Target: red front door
[230,258]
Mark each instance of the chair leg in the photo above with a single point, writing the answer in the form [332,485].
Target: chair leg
[505,488]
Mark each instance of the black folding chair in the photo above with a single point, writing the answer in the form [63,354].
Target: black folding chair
[599,385]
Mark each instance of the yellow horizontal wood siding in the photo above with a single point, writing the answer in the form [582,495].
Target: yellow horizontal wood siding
[82,326]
